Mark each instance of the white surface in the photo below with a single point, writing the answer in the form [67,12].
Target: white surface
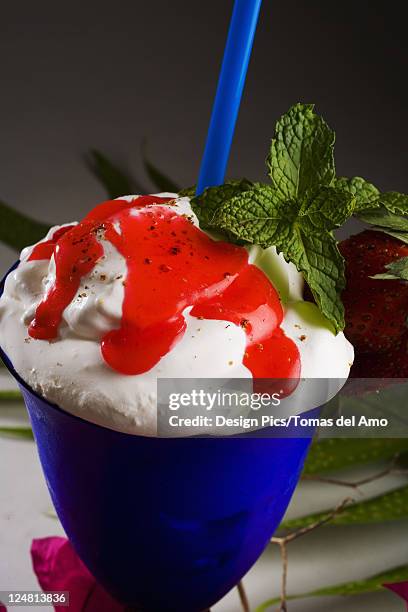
[328,556]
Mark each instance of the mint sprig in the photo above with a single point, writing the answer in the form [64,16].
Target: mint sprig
[297,213]
[305,202]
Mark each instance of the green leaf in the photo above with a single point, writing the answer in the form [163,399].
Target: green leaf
[51,514]
[396,270]
[389,215]
[328,209]
[395,202]
[18,230]
[212,198]
[323,269]
[301,157]
[301,231]
[158,178]
[255,215]
[188,192]
[391,506]
[365,193]
[403,236]
[116,182]
[24,433]
[10,395]
[339,453]
[383,217]
[356,587]
[402,461]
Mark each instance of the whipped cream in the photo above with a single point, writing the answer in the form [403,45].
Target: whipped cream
[71,372]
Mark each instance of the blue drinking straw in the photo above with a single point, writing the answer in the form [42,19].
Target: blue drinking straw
[229,91]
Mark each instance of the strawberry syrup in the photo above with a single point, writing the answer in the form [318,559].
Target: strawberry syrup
[171,264]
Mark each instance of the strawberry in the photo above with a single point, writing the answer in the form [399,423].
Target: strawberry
[392,364]
[376,310]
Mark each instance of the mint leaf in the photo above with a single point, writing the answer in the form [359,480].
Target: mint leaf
[256,216]
[386,221]
[301,231]
[212,198]
[301,157]
[18,230]
[116,182]
[318,257]
[389,214]
[366,193]
[383,217]
[395,202]
[396,270]
[403,236]
[188,192]
[329,209]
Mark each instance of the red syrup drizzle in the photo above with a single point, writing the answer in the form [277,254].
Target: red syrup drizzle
[171,265]
[44,250]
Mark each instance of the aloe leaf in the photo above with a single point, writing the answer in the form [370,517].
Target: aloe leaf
[391,506]
[116,182]
[160,180]
[338,453]
[357,587]
[51,514]
[12,395]
[24,433]
[402,461]
[17,230]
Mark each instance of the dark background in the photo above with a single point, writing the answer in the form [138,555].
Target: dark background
[106,74]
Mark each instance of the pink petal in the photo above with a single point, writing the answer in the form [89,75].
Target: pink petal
[58,568]
[400,588]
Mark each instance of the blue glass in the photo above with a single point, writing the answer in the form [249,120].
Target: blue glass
[164,524]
